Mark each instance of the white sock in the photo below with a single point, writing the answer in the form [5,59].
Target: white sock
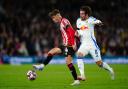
[106,66]
[80,64]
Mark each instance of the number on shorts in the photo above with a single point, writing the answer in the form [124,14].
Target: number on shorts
[96,52]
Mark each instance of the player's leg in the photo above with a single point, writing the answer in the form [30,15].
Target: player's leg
[97,57]
[80,62]
[106,67]
[70,52]
[51,53]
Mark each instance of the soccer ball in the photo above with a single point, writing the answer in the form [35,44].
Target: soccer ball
[31,75]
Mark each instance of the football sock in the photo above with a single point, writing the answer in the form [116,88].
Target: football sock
[48,59]
[73,71]
[106,66]
[80,64]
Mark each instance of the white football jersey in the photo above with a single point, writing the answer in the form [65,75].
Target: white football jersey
[86,32]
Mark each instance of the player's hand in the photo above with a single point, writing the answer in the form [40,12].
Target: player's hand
[77,34]
[101,24]
[74,47]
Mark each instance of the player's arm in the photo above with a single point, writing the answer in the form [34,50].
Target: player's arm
[77,33]
[67,25]
[72,31]
[96,21]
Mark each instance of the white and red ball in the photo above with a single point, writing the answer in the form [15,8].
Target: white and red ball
[31,75]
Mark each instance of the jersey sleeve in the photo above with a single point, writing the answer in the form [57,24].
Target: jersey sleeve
[94,21]
[66,23]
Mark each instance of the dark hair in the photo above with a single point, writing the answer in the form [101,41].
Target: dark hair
[86,9]
[54,12]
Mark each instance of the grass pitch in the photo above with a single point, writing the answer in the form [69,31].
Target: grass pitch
[58,77]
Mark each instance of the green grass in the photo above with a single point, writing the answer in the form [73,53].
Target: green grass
[59,77]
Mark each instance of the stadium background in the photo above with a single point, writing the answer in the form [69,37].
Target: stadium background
[26,29]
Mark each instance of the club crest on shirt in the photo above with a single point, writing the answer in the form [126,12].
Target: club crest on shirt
[84,27]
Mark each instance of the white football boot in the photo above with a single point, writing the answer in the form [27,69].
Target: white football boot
[76,82]
[38,67]
[112,74]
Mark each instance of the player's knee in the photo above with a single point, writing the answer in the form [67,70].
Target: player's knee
[50,54]
[99,63]
[54,51]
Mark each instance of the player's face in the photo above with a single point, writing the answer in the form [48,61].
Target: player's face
[55,18]
[83,16]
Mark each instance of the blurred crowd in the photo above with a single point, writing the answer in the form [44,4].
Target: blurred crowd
[26,29]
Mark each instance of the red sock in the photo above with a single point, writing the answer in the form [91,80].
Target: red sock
[73,71]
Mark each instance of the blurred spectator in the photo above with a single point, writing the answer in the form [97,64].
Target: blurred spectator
[25,28]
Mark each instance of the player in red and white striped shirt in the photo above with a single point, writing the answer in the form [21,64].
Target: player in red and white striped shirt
[67,32]
[68,47]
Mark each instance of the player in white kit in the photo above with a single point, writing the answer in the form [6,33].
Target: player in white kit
[85,25]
